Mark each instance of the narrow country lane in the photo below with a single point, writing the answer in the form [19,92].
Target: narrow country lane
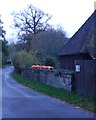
[21,102]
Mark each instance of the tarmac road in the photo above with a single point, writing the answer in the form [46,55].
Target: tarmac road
[21,102]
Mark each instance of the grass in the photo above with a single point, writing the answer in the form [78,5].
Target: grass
[59,93]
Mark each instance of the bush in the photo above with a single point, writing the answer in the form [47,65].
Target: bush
[4,59]
[23,59]
[50,61]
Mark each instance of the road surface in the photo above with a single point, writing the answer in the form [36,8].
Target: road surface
[21,102]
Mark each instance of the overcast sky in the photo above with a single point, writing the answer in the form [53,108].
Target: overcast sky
[70,14]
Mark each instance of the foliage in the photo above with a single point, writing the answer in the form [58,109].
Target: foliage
[31,21]
[59,93]
[24,59]
[26,41]
[5,47]
[3,44]
[49,42]
[11,50]
[47,45]
[36,36]
[50,61]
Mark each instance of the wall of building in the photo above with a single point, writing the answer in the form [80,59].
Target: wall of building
[68,61]
[86,78]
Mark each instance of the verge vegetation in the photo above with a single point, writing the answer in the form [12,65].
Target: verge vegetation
[84,102]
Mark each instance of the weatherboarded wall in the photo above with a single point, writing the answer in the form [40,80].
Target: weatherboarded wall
[56,78]
[67,61]
[86,78]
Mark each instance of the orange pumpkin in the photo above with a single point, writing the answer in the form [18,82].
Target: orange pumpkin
[43,67]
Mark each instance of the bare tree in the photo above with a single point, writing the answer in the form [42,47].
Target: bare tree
[31,20]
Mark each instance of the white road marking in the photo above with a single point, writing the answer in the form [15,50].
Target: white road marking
[6,77]
[6,80]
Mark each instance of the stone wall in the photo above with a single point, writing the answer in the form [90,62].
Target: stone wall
[56,78]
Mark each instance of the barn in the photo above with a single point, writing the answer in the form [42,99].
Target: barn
[79,54]
[81,46]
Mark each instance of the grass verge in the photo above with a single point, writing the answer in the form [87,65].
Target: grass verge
[59,93]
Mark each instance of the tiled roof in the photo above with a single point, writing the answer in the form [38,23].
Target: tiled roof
[84,40]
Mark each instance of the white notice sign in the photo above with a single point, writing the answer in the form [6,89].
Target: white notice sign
[77,68]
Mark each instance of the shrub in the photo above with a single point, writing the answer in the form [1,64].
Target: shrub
[23,59]
[4,59]
[50,61]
